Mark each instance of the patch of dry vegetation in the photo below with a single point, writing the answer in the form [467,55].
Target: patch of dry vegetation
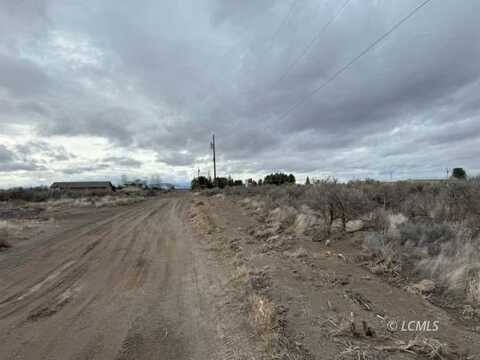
[14,229]
[426,233]
[423,347]
[95,201]
[249,287]
[268,319]
[420,231]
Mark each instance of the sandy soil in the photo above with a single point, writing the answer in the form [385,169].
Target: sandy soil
[185,277]
[125,283]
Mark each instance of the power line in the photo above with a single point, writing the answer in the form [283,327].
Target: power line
[275,34]
[310,45]
[355,59]
[283,22]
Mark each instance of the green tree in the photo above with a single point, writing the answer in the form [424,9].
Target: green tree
[307,182]
[221,182]
[279,179]
[201,182]
[459,173]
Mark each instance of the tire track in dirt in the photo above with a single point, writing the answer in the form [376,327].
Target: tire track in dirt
[70,274]
[39,253]
[134,288]
[113,253]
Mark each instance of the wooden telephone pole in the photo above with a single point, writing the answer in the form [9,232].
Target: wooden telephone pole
[212,146]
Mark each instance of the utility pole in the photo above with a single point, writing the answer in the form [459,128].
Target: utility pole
[212,146]
[198,172]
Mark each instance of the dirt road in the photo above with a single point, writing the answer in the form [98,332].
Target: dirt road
[125,284]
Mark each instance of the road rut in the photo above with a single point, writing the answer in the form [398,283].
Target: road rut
[125,286]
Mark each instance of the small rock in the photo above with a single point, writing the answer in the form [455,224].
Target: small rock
[423,287]
[304,223]
[377,269]
[354,225]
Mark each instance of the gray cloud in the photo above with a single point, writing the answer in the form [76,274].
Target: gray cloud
[43,149]
[167,78]
[113,123]
[9,162]
[20,77]
[5,154]
[123,161]
[82,169]
[176,158]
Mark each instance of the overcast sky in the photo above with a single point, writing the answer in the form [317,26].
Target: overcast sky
[94,89]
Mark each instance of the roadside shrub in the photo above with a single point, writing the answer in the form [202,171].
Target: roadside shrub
[375,242]
[288,195]
[36,194]
[461,200]
[236,191]
[424,230]
[429,235]
[42,194]
[378,220]
[336,201]
[4,244]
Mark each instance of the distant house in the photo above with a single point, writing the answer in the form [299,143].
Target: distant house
[162,186]
[135,186]
[95,187]
[137,183]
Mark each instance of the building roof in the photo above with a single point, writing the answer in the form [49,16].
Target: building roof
[82,184]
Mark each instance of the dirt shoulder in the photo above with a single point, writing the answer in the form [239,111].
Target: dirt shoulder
[309,301]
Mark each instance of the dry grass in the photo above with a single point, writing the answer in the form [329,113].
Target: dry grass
[422,232]
[5,233]
[298,253]
[419,347]
[263,315]
[18,229]
[428,347]
[11,229]
[356,352]
[8,225]
[97,202]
